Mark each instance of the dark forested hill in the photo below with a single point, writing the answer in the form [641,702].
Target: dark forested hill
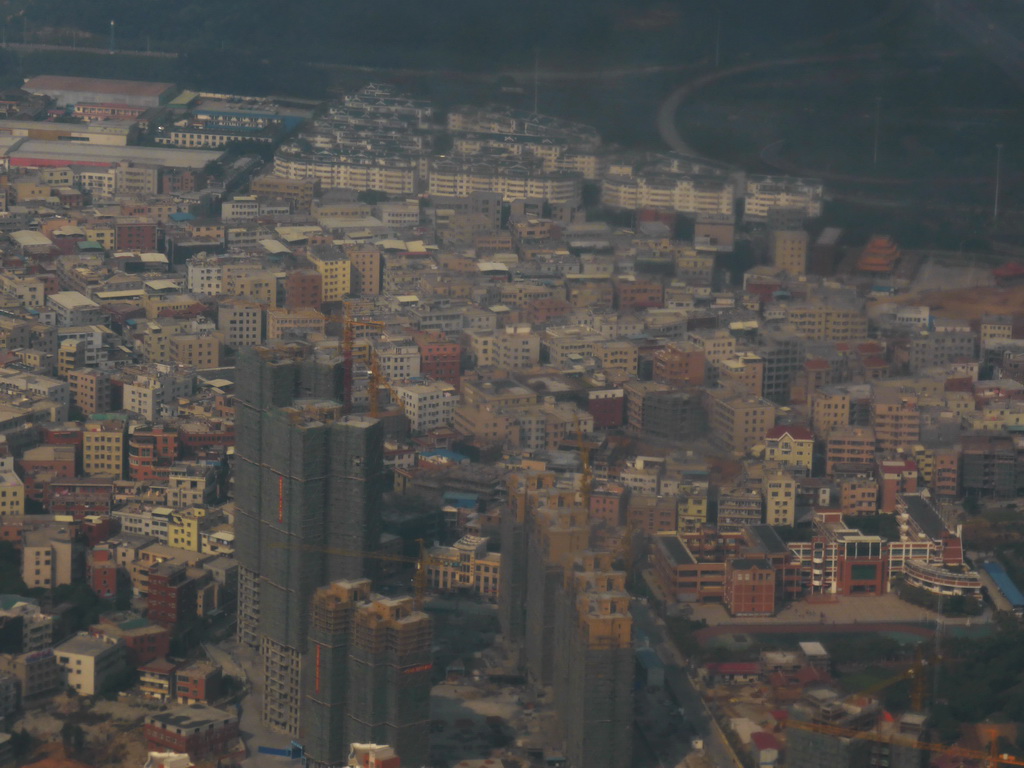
[465,34]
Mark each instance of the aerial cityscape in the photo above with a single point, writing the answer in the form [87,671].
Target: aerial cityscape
[622,384]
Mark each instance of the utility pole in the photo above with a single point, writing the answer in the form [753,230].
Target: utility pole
[878,119]
[536,79]
[112,36]
[718,39]
[999,169]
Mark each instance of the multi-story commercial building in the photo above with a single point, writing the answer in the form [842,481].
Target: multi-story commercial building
[367,675]
[307,480]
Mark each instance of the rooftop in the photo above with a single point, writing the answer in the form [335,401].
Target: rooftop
[41,83]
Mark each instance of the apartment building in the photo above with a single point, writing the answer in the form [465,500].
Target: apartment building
[737,423]
[104,448]
[428,405]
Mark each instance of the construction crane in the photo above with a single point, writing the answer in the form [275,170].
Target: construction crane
[419,579]
[992,758]
[586,474]
[378,381]
[918,674]
[348,342]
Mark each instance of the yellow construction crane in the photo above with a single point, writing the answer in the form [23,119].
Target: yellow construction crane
[992,758]
[918,674]
[586,474]
[378,381]
[419,579]
[348,342]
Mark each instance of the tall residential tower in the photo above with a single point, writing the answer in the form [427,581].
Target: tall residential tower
[308,483]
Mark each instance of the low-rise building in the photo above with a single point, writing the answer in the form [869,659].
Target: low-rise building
[93,664]
[198,730]
[465,567]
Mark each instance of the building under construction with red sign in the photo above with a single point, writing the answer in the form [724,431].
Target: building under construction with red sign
[308,486]
[366,676]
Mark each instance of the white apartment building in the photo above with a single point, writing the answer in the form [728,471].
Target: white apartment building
[398,359]
[428,405]
[682,193]
[147,391]
[765,193]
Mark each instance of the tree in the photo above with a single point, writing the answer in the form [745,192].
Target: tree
[11,582]
[73,738]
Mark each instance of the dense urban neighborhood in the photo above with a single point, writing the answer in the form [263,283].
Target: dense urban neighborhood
[366,432]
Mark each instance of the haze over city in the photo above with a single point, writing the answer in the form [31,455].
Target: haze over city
[583,384]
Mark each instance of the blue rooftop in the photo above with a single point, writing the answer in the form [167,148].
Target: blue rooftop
[1006,586]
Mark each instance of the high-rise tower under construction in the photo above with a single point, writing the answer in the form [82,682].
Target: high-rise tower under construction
[308,483]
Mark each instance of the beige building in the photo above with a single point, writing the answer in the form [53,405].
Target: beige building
[302,321]
[465,567]
[239,323]
[779,492]
[199,350]
[788,250]
[738,422]
[12,490]
[90,390]
[791,447]
[335,272]
[619,355]
[742,372]
[718,344]
[829,409]
[103,448]
[93,663]
[831,319]
[514,347]
[50,557]
[896,419]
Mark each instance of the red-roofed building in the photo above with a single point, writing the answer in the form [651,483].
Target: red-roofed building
[765,749]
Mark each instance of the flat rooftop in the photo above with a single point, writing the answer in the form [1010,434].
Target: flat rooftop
[927,519]
[676,550]
[81,153]
[41,83]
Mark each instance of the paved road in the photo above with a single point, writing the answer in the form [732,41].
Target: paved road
[678,683]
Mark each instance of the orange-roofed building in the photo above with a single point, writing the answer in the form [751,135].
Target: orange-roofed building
[879,255]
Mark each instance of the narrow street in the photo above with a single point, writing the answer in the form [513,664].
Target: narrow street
[677,681]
